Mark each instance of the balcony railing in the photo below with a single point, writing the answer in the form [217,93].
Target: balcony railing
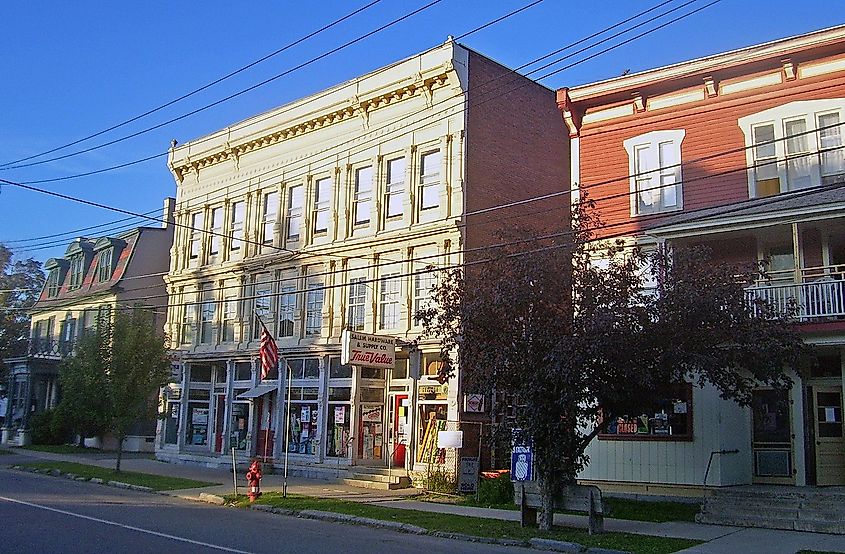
[50,348]
[820,296]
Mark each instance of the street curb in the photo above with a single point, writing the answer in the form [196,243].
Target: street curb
[346,518]
[556,546]
[94,480]
[212,498]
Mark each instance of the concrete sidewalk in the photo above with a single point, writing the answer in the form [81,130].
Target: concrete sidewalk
[718,539]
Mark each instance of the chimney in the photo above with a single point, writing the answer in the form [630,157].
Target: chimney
[169,208]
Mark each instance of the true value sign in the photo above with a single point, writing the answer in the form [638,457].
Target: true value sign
[368,350]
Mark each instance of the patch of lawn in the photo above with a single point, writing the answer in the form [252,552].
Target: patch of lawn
[620,508]
[61,449]
[474,526]
[155,482]
[3,451]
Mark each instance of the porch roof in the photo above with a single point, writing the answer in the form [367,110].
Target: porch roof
[255,392]
[801,205]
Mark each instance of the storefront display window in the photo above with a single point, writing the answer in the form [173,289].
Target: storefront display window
[196,432]
[200,373]
[171,422]
[337,430]
[303,428]
[305,368]
[372,373]
[669,418]
[371,429]
[239,425]
[338,370]
[243,371]
[432,420]
[400,371]
[369,394]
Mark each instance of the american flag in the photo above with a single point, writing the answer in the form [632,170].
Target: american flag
[268,351]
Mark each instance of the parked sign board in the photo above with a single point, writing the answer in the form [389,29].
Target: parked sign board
[366,350]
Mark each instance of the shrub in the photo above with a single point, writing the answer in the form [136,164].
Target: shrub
[48,427]
[440,480]
[496,491]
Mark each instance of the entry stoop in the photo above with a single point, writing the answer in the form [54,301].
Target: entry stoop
[377,478]
[819,510]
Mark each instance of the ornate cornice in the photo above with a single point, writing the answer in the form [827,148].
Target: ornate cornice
[358,108]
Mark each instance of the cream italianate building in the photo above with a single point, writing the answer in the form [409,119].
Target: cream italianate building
[334,212]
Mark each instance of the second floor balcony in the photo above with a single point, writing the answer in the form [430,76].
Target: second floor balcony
[818,293]
[48,347]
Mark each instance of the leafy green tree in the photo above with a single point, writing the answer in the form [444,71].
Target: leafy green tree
[572,343]
[20,284]
[113,380]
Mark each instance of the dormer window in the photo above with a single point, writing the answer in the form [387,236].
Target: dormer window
[76,272]
[53,283]
[104,266]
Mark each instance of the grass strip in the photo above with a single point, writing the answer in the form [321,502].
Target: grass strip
[480,527]
[620,508]
[155,482]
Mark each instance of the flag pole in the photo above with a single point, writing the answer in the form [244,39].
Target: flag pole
[287,430]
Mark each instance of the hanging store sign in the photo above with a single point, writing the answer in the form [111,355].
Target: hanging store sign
[366,350]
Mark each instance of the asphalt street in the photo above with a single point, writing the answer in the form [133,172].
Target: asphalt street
[46,514]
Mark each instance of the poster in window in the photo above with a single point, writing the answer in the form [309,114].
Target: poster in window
[305,414]
[340,414]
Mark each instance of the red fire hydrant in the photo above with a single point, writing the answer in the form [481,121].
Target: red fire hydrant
[253,476]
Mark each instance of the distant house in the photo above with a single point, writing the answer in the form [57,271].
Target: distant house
[742,151]
[93,278]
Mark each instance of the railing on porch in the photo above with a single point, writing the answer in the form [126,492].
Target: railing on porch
[50,348]
[819,295]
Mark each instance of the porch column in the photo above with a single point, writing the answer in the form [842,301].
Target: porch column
[796,253]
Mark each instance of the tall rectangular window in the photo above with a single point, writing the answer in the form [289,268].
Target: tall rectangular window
[294,217]
[314,309]
[196,236]
[207,311]
[798,163]
[76,274]
[765,160]
[322,205]
[423,283]
[389,288]
[261,304]
[230,310]
[287,310]
[430,180]
[356,304]
[236,225]
[53,283]
[189,310]
[655,164]
[104,265]
[216,231]
[269,216]
[395,191]
[363,200]
[832,155]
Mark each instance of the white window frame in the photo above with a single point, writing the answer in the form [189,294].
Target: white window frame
[236,225]
[77,272]
[269,216]
[295,212]
[356,307]
[208,311]
[779,116]
[262,303]
[323,189]
[104,265]
[195,237]
[187,332]
[650,144]
[362,196]
[432,180]
[53,283]
[287,310]
[314,301]
[395,190]
[390,296]
[230,311]
[216,238]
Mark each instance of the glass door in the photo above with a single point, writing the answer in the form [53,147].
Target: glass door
[772,437]
[830,445]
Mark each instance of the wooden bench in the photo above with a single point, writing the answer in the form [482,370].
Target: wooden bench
[575,498]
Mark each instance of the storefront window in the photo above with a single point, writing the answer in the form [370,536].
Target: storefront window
[340,393]
[432,420]
[305,368]
[372,373]
[337,430]
[197,429]
[243,371]
[400,371]
[240,424]
[200,373]
[372,431]
[303,428]
[668,418]
[339,371]
[369,394]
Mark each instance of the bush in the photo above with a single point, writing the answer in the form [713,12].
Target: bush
[495,492]
[48,427]
[439,480]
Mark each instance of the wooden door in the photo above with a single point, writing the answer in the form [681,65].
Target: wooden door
[830,443]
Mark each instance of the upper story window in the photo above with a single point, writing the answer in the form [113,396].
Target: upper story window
[189,316]
[207,311]
[395,191]
[357,303]
[236,226]
[423,286]
[430,180]
[269,216]
[196,237]
[314,309]
[389,294]
[104,265]
[794,146]
[216,231]
[76,271]
[294,219]
[287,310]
[322,204]
[262,291]
[230,310]
[654,165]
[53,283]
[363,200]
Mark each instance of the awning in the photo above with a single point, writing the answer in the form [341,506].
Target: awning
[260,390]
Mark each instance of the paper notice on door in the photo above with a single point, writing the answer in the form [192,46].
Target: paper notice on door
[829,415]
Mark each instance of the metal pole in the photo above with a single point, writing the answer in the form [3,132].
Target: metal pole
[234,472]
[287,432]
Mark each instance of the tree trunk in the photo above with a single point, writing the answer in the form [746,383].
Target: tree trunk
[119,452]
[546,513]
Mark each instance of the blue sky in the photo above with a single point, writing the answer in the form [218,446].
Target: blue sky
[69,69]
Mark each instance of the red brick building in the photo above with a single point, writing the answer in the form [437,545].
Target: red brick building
[743,151]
